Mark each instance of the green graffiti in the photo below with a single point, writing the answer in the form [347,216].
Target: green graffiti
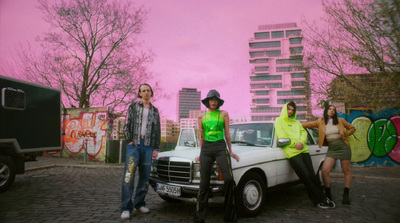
[381,137]
[360,151]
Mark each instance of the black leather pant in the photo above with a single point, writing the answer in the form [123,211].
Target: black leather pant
[303,167]
[210,152]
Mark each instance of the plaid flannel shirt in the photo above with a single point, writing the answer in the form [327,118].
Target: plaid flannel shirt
[133,125]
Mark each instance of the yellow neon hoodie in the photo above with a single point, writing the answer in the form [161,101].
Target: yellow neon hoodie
[286,127]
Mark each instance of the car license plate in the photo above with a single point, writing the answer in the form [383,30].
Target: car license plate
[168,189]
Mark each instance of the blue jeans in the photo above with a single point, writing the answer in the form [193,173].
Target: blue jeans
[136,157]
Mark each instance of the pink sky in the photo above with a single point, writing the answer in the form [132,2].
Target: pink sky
[198,44]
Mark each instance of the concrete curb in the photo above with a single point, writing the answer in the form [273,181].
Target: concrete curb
[359,177]
[83,166]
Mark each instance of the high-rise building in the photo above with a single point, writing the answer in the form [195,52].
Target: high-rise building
[188,99]
[196,113]
[277,75]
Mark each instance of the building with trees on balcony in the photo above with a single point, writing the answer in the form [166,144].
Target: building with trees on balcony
[277,75]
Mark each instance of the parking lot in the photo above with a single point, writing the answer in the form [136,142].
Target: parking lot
[91,193]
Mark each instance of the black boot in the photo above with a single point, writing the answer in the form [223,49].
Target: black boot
[346,199]
[328,193]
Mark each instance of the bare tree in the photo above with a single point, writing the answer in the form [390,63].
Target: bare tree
[91,52]
[356,44]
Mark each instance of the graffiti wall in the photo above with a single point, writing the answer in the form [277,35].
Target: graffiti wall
[377,139]
[85,131]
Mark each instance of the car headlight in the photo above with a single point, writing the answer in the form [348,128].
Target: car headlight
[196,172]
[154,167]
[215,173]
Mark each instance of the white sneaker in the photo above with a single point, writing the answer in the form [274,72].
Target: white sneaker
[125,215]
[144,210]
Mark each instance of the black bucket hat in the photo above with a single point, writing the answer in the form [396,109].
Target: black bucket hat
[211,94]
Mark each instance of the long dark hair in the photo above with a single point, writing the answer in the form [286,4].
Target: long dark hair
[326,117]
[291,103]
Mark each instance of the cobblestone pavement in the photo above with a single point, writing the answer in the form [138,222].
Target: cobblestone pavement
[66,190]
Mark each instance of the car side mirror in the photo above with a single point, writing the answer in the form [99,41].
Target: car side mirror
[283,142]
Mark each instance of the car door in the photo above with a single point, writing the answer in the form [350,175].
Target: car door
[317,154]
[284,173]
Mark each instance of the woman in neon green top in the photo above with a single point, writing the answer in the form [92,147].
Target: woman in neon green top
[214,126]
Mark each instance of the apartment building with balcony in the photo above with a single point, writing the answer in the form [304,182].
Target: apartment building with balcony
[277,75]
[189,123]
[166,129]
[196,113]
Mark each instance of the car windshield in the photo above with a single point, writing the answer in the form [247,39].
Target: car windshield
[255,134]
[187,138]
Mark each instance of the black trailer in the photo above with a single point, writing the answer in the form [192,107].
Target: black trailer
[30,123]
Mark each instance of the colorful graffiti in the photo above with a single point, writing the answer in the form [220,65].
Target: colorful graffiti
[85,130]
[89,130]
[377,139]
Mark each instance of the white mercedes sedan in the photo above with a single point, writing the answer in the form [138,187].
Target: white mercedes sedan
[263,165]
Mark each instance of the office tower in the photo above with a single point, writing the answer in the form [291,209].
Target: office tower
[277,75]
[188,99]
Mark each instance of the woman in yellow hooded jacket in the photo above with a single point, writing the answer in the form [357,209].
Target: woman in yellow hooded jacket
[286,126]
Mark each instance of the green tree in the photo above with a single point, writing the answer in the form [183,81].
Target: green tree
[91,52]
[357,45]
[323,104]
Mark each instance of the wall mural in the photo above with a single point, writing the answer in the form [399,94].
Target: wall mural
[377,139]
[85,128]
[89,130]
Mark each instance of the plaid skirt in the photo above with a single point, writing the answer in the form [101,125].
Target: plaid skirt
[338,149]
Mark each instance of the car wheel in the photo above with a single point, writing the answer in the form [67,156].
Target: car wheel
[319,175]
[168,199]
[250,195]
[7,173]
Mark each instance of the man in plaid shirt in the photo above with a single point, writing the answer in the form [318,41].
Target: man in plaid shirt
[143,135]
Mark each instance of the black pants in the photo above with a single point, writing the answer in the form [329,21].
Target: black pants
[303,167]
[210,152]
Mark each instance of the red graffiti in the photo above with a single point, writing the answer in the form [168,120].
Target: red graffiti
[88,131]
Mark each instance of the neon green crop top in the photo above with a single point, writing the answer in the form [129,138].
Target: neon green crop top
[213,125]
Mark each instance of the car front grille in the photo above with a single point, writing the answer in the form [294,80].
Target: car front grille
[174,171]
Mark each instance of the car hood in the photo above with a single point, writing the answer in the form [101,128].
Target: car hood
[186,153]
[242,151]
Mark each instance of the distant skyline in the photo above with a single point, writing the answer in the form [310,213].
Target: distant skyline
[198,44]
